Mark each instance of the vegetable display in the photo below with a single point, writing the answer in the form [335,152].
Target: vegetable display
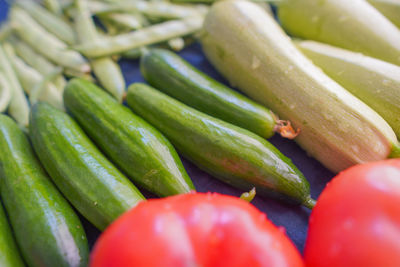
[232,154]
[336,128]
[375,82]
[141,151]
[46,228]
[194,230]
[94,186]
[74,139]
[356,220]
[176,77]
[355,25]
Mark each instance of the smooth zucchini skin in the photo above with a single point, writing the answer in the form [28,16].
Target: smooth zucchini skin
[135,146]
[336,128]
[373,81]
[46,228]
[93,185]
[9,253]
[174,76]
[352,24]
[230,153]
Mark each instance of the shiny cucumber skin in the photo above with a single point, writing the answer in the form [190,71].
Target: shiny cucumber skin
[92,184]
[9,252]
[174,76]
[230,153]
[46,228]
[135,146]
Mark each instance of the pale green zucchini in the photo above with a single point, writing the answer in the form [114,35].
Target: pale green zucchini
[375,82]
[352,24]
[336,128]
[389,8]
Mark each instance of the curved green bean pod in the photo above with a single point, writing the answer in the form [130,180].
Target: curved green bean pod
[5,93]
[18,107]
[51,22]
[142,37]
[163,10]
[45,43]
[38,62]
[106,70]
[29,78]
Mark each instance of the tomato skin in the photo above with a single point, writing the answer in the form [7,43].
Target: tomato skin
[194,230]
[356,221]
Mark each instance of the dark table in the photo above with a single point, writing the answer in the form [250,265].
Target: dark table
[294,219]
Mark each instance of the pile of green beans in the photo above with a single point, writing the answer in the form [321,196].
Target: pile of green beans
[44,43]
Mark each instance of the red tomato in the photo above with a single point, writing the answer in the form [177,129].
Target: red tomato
[194,230]
[356,221]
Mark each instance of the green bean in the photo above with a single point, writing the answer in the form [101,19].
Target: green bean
[30,77]
[45,43]
[142,37]
[53,6]
[176,44]
[5,31]
[54,24]
[125,21]
[132,54]
[69,73]
[18,107]
[38,62]
[5,93]
[162,10]
[106,70]
[43,90]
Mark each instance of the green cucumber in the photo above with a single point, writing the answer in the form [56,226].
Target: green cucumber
[139,150]
[230,153]
[97,189]
[375,82]
[174,76]
[46,228]
[389,8]
[352,24]
[9,253]
[336,128]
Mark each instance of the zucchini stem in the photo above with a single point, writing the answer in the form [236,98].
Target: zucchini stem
[285,129]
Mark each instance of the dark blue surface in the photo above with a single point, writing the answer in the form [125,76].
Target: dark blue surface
[293,218]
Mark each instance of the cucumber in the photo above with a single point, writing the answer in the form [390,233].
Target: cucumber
[176,77]
[230,153]
[9,254]
[97,189]
[336,128]
[389,8]
[135,146]
[375,82]
[352,24]
[46,228]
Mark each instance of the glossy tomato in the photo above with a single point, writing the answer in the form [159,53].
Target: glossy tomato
[356,221]
[194,230]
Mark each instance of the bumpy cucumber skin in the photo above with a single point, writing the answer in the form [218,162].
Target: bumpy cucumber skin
[46,228]
[230,153]
[139,150]
[94,186]
[9,253]
[174,76]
